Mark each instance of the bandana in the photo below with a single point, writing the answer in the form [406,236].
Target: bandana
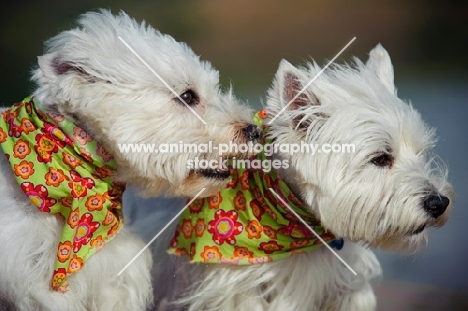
[245,223]
[64,172]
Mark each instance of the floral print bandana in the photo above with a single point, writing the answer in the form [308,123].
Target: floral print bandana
[245,223]
[64,172]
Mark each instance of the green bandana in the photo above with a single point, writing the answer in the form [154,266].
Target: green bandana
[245,223]
[64,172]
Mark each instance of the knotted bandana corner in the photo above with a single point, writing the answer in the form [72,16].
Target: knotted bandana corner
[64,172]
[245,223]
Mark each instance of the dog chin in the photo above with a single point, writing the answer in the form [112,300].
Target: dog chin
[418,230]
[213,174]
[211,181]
[410,242]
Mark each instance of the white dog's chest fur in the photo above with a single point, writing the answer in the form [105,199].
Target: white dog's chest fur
[28,253]
[312,281]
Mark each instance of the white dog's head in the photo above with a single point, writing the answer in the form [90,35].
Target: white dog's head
[90,75]
[390,188]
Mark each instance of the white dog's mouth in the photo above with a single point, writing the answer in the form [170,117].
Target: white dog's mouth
[418,230]
[218,173]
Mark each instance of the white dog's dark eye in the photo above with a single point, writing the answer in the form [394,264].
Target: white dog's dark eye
[189,97]
[383,159]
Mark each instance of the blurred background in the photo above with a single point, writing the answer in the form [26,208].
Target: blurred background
[245,40]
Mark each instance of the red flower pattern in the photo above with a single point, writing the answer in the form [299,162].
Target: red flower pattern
[296,230]
[79,185]
[39,196]
[225,227]
[84,231]
[270,247]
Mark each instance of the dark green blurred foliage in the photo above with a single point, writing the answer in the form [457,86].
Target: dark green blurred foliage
[245,39]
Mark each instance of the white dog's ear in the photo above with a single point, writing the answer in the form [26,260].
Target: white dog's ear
[380,63]
[59,81]
[290,82]
[54,67]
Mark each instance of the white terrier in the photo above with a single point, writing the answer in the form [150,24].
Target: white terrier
[63,174]
[385,194]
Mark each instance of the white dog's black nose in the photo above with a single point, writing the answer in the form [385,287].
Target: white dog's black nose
[435,205]
[252,133]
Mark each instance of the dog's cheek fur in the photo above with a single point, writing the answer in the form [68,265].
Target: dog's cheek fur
[362,202]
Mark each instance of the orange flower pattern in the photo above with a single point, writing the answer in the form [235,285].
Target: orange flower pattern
[239,201]
[76,264]
[269,232]
[257,209]
[104,171]
[214,201]
[200,227]
[242,252]
[24,169]
[70,160]
[254,229]
[3,136]
[109,218]
[64,251]
[244,180]
[98,242]
[95,202]
[67,202]
[73,218]
[21,149]
[196,205]
[270,247]
[181,252]
[39,145]
[81,136]
[55,177]
[28,127]
[210,254]
[245,223]
[187,228]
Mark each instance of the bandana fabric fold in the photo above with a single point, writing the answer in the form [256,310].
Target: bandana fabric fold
[64,172]
[245,223]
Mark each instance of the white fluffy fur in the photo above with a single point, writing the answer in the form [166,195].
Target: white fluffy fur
[90,76]
[111,93]
[366,204]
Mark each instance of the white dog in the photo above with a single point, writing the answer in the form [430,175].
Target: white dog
[384,194]
[63,174]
